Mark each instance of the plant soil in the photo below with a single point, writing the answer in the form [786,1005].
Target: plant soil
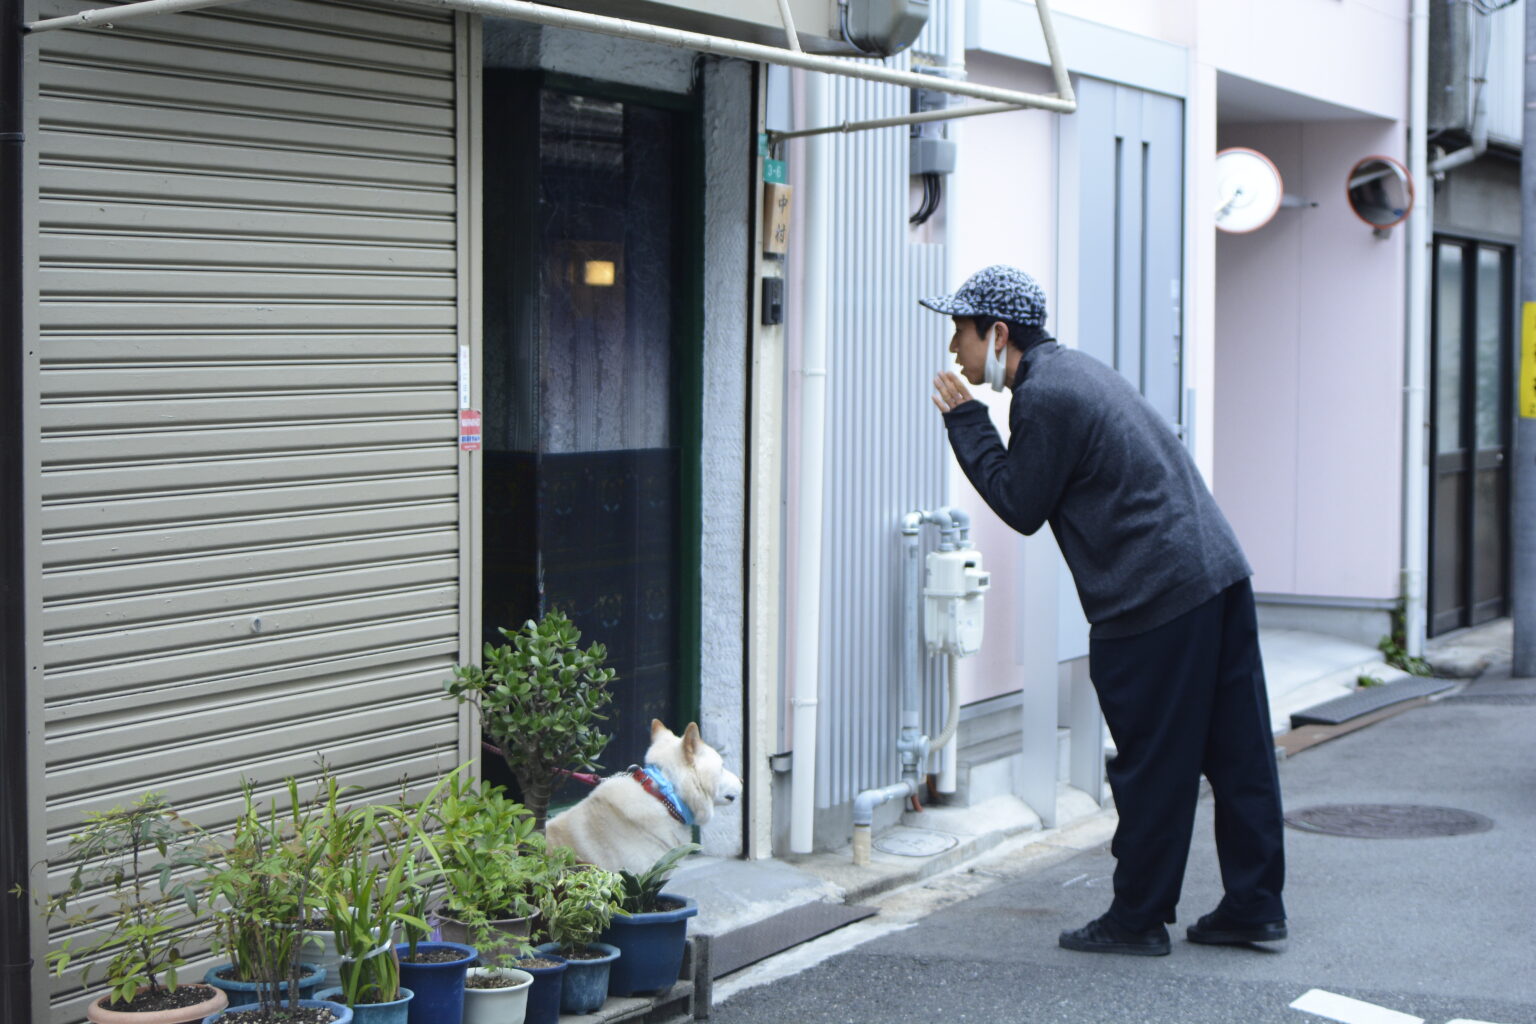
[303,1015]
[537,961]
[164,999]
[490,981]
[433,956]
[228,974]
[583,954]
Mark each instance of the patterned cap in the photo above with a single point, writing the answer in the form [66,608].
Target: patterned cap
[1001,292]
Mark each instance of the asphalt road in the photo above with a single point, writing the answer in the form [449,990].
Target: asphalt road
[1441,928]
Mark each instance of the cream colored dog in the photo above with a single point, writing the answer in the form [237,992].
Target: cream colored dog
[634,817]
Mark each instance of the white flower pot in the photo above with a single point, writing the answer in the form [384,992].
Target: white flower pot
[497,1005]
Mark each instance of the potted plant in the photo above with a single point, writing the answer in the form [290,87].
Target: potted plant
[491,864]
[653,930]
[496,995]
[364,899]
[540,698]
[131,855]
[574,912]
[264,893]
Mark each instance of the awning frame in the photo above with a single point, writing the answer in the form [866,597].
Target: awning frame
[1064,101]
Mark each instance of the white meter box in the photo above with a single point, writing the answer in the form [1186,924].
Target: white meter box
[953,610]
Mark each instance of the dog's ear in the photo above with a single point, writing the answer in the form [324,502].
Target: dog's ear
[657,728]
[691,741]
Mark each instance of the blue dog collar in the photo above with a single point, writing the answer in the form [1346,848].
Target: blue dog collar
[658,785]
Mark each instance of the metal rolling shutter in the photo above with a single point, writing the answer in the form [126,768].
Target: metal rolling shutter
[251,229]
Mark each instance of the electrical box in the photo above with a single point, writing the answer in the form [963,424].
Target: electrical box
[953,610]
[885,27]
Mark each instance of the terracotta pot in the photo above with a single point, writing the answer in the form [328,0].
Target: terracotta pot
[186,1015]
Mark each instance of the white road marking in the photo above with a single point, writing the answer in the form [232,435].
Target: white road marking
[1463,1020]
[1350,1011]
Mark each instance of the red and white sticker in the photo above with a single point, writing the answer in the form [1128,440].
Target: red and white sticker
[469,430]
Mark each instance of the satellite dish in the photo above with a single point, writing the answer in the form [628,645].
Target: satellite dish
[1380,192]
[1248,190]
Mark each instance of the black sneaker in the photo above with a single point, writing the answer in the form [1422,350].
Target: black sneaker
[1103,935]
[1217,929]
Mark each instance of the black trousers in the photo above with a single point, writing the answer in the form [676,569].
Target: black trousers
[1182,700]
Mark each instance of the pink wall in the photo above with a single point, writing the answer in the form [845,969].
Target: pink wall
[1308,364]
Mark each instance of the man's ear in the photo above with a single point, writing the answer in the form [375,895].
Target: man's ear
[1001,330]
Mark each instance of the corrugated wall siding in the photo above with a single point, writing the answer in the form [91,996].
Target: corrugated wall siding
[250,236]
[886,442]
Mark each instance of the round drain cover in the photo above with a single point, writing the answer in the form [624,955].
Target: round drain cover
[915,842]
[1387,821]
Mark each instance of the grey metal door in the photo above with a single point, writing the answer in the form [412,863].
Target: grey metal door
[1131,242]
[1471,408]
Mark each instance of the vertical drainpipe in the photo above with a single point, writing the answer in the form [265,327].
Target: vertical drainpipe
[1415,370]
[15,931]
[813,423]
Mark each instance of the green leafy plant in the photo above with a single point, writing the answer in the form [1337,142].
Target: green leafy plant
[128,857]
[366,897]
[641,894]
[490,863]
[1366,681]
[540,699]
[579,905]
[264,890]
[1394,648]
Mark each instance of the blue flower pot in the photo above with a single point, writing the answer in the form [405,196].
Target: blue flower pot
[652,947]
[544,994]
[243,993]
[584,985]
[394,1012]
[342,1013]
[438,988]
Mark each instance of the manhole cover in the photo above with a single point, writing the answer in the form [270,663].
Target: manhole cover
[1508,700]
[1387,821]
[915,842]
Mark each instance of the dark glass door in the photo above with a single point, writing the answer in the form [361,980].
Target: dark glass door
[1473,352]
[590,348]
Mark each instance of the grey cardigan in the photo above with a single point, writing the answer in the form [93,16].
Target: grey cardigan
[1135,521]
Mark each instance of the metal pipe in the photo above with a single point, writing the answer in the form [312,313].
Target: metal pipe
[788,17]
[911,596]
[864,814]
[947,114]
[15,923]
[581,21]
[809,514]
[1416,355]
[109,16]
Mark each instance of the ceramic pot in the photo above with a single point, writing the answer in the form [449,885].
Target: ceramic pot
[497,1005]
[215,1003]
[584,986]
[544,993]
[343,1014]
[243,993]
[394,1012]
[652,947]
[318,948]
[451,929]
[439,988]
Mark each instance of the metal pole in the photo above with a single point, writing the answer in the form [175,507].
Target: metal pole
[1522,482]
[15,923]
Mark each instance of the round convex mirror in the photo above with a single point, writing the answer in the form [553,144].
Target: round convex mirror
[1380,191]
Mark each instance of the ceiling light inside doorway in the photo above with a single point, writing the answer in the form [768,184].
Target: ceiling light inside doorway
[598,273]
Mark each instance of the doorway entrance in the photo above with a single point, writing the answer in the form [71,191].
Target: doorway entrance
[592,393]
[1473,349]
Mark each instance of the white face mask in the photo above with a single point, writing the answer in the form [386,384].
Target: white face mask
[996,371]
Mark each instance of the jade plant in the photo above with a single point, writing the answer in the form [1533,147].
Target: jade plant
[540,699]
[129,884]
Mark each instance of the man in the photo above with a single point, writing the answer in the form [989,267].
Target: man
[1173,651]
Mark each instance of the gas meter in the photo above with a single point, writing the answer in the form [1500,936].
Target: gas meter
[952,601]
